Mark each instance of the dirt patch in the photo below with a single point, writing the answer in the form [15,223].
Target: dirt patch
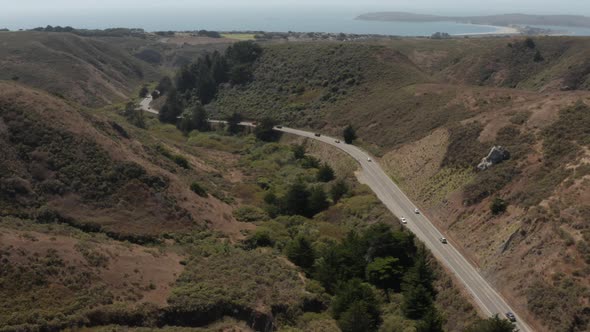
[128,271]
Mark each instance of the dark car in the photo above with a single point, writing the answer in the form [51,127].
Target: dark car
[279,127]
[317,134]
[511,316]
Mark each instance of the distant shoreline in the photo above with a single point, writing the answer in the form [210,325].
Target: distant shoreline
[500,30]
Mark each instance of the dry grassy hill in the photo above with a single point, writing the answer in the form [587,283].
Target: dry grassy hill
[85,70]
[432,110]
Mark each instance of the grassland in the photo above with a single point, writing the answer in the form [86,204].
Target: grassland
[77,184]
[432,110]
[239,36]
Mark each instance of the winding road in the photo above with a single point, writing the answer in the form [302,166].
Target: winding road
[486,297]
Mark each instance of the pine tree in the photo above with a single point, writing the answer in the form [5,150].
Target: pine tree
[493,324]
[318,201]
[349,134]
[296,200]
[301,252]
[338,190]
[325,173]
[357,319]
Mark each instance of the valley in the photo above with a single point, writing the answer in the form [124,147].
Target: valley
[118,218]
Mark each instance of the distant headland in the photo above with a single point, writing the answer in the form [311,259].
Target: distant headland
[495,20]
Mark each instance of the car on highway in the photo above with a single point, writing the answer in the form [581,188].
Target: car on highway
[416,211]
[404,221]
[443,240]
[337,141]
[511,316]
[317,134]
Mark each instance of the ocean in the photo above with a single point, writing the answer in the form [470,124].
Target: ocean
[241,19]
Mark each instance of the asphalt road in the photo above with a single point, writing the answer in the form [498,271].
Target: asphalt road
[144,105]
[485,296]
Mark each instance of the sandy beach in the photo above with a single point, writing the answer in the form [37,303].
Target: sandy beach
[499,31]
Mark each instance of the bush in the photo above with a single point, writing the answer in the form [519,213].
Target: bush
[325,173]
[339,190]
[301,252]
[349,134]
[248,213]
[498,206]
[197,189]
[259,239]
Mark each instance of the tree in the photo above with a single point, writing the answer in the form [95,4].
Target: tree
[264,130]
[432,322]
[134,115]
[301,252]
[296,200]
[417,301]
[143,92]
[165,85]
[357,319]
[492,324]
[530,43]
[298,151]
[243,52]
[355,291]
[338,190]
[318,201]
[325,173]
[385,273]
[219,68]
[185,79]
[538,57]
[498,206]
[172,109]
[240,74]
[194,118]
[420,274]
[233,123]
[349,134]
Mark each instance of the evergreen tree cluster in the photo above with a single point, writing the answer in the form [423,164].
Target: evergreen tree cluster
[196,84]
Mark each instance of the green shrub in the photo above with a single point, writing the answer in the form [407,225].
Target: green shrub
[301,252]
[260,238]
[325,173]
[498,206]
[198,189]
[249,213]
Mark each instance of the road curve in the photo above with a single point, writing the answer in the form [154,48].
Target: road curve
[485,296]
[144,105]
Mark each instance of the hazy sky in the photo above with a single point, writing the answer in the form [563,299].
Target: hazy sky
[424,6]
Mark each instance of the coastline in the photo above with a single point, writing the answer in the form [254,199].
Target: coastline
[500,30]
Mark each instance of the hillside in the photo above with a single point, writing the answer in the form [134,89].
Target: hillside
[81,69]
[431,110]
[105,225]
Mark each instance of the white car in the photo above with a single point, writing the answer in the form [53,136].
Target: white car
[369,159]
[416,211]
[404,221]
[443,240]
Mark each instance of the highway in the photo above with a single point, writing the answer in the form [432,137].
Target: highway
[485,296]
